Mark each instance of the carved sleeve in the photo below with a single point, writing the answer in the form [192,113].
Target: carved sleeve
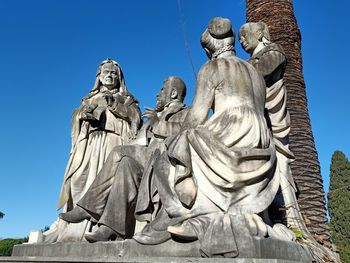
[269,62]
[165,128]
[129,110]
[75,126]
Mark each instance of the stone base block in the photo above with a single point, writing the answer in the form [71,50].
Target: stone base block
[144,260]
[263,250]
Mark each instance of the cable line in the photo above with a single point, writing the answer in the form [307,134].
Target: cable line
[182,26]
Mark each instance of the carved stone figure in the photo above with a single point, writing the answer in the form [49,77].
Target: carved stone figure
[110,200]
[218,173]
[108,116]
[219,179]
[269,59]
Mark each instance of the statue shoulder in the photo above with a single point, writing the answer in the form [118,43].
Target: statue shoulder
[270,50]
[276,47]
[128,98]
[208,66]
[180,115]
[207,73]
[91,94]
[269,59]
[231,62]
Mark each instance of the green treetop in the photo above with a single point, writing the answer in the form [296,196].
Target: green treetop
[339,204]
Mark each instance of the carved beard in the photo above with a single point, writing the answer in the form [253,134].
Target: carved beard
[160,106]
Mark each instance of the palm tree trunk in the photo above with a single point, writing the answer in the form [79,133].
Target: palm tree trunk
[279,16]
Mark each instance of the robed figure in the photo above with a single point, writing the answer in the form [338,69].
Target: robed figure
[218,172]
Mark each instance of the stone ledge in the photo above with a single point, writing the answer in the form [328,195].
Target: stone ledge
[142,260]
[259,250]
[127,248]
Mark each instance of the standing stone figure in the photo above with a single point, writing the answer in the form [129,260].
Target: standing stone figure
[218,173]
[108,116]
[269,60]
[111,198]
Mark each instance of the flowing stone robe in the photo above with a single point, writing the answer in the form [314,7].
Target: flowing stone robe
[92,141]
[112,196]
[271,62]
[216,170]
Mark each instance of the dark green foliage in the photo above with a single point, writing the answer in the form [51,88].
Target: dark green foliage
[339,204]
[7,244]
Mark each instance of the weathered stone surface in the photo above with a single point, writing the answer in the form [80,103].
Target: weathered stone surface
[35,237]
[111,197]
[108,110]
[218,173]
[206,178]
[280,17]
[148,260]
[108,116]
[270,61]
[130,251]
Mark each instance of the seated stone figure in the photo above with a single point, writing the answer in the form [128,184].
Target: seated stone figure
[218,173]
[111,198]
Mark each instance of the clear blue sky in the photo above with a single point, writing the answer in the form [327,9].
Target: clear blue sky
[49,53]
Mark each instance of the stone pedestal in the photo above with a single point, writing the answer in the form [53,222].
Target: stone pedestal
[260,250]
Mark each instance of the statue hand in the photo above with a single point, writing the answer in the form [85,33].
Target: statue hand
[109,98]
[151,115]
[87,112]
[120,99]
[88,108]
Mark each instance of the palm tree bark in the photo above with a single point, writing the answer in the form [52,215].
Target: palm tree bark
[279,16]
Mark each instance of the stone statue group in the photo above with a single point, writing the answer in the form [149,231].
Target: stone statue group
[186,174]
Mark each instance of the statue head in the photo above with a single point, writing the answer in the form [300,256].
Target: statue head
[110,75]
[173,89]
[218,38]
[254,36]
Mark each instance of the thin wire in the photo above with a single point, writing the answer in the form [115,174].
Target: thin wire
[182,26]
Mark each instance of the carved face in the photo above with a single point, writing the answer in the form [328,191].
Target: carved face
[109,75]
[164,96]
[248,38]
